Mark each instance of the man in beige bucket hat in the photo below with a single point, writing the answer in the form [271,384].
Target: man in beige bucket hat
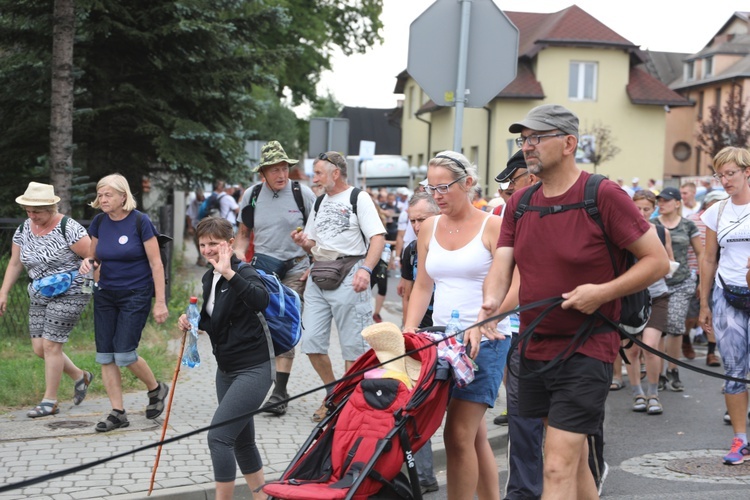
[271,210]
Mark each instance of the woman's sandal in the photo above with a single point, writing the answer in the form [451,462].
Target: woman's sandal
[654,406]
[113,421]
[616,385]
[43,409]
[639,403]
[156,401]
[82,387]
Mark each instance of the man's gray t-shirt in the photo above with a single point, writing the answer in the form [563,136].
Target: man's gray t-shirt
[275,219]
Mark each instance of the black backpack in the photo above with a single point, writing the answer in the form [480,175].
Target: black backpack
[162,239]
[248,213]
[635,309]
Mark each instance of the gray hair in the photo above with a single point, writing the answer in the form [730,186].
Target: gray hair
[422,196]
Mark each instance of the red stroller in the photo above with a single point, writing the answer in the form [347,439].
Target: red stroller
[372,428]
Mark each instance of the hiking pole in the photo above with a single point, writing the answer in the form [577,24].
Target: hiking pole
[169,409]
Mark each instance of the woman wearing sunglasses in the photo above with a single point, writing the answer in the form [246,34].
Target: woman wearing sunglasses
[457,246]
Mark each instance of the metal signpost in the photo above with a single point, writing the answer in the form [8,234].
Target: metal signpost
[462,53]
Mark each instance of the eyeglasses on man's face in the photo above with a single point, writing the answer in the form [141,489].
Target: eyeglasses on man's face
[513,181]
[441,188]
[728,174]
[534,139]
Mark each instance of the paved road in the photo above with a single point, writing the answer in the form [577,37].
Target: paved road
[32,448]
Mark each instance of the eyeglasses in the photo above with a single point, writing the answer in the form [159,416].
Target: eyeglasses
[534,140]
[441,188]
[515,179]
[728,175]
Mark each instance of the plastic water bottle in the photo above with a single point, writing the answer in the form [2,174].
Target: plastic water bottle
[386,255]
[88,279]
[454,326]
[191,357]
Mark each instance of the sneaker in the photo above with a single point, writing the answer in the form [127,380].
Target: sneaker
[601,481]
[673,381]
[501,419]
[700,339]
[662,383]
[737,453]
[688,351]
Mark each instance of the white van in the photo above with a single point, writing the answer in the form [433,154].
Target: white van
[381,170]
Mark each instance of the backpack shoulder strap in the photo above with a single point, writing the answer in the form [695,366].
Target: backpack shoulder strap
[590,195]
[661,232]
[353,199]
[523,203]
[318,201]
[64,225]
[297,192]
[248,213]
[139,223]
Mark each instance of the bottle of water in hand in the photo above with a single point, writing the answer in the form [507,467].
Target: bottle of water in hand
[88,279]
[191,357]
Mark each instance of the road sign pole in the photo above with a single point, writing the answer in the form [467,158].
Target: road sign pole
[463,57]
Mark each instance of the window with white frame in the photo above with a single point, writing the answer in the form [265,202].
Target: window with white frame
[708,67]
[582,82]
[690,70]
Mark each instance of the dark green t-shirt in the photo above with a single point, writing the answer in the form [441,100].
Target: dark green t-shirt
[681,235]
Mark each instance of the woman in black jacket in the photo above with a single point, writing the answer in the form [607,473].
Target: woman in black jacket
[232,295]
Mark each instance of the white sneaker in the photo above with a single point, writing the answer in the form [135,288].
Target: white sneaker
[604,476]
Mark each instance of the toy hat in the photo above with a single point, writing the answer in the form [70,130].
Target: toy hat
[38,195]
[387,341]
[272,153]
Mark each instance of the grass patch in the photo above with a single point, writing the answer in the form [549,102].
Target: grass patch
[22,372]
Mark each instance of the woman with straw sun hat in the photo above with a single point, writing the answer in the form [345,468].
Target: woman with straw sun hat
[49,244]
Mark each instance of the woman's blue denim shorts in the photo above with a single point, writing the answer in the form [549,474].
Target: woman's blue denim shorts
[119,319]
[486,383]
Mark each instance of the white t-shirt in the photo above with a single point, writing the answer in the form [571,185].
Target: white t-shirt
[335,227]
[227,207]
[690,211]
[733,235]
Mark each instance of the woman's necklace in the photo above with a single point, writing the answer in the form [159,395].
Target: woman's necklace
[739,218]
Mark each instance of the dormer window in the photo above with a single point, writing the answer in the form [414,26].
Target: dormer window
[690,70]
[582,81]
[708,67]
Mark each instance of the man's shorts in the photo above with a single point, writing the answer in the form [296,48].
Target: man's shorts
[571,396]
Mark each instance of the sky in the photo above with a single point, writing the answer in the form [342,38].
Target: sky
[368,80]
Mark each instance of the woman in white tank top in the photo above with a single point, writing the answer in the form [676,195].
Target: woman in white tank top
[455,250]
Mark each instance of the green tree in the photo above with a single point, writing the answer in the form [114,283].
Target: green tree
[166,86]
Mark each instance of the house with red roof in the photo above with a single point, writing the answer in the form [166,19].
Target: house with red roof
[568,58]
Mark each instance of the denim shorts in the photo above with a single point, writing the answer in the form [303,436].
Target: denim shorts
[491,363]
[119,319]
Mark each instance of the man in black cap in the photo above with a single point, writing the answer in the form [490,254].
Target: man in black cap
[564,253]
[515,177]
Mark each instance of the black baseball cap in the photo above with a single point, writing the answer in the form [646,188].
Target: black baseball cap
[670,193]
[516,161]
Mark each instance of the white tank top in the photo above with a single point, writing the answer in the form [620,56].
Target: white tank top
[459,276]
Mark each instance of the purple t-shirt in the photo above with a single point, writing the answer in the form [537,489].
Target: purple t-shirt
[124,265]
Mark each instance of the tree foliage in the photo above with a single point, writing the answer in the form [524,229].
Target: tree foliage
[165,85]
[730,127]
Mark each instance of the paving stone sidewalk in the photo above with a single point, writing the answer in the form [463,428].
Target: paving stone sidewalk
[31,448]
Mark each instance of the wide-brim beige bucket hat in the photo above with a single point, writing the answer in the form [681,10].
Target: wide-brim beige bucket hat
[38,195]
[387,341]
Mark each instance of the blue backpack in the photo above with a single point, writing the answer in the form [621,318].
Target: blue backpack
[282,316]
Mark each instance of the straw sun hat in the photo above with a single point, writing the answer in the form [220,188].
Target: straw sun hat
[38,195]
[387,341]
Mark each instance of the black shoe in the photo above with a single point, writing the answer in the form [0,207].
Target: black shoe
[501,419]
[429,488]
[271,405]
[674,383]
[662,383]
